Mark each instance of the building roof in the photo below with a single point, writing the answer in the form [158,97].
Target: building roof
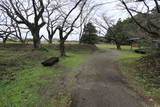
[131,39]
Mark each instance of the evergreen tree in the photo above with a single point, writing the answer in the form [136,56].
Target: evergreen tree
[89,34]
[116,34]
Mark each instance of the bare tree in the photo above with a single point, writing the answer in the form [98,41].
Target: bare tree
[5,28]
[67,26]
[28,13]
[52,18]
[20,32]
[148,24]
[103,22]
[5,34]
[88,13]
[113,32]
[13,29]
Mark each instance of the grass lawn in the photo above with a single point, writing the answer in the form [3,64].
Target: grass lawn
[34,84]
[129,59]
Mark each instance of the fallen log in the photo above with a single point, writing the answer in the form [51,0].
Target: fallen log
[140,51]
[51,61]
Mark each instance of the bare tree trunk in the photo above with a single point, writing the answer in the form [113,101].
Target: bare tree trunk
[4,42]
[62,48]
[62,41]
[36,39]
[50,39]
[118,45]
[36,42]
[81,28]
[23,42]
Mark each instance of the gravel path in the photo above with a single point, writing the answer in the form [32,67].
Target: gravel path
[99,84]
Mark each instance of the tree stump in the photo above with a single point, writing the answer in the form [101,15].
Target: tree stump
[51,61]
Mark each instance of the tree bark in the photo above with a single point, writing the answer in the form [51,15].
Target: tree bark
[36,39]
[4,42]
[50,40]
[118,46]
[62,48]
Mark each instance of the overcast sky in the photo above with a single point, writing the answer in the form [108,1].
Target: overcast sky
[113,9]
[110,8]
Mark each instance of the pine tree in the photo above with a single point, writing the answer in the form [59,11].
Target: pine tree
[89,34]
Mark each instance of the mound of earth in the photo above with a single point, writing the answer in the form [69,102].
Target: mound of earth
[81,47]
[75,47]
[70,47]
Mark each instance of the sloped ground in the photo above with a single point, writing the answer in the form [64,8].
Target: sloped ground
[99,84]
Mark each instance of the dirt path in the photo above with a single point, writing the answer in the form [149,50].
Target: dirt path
[99,84]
